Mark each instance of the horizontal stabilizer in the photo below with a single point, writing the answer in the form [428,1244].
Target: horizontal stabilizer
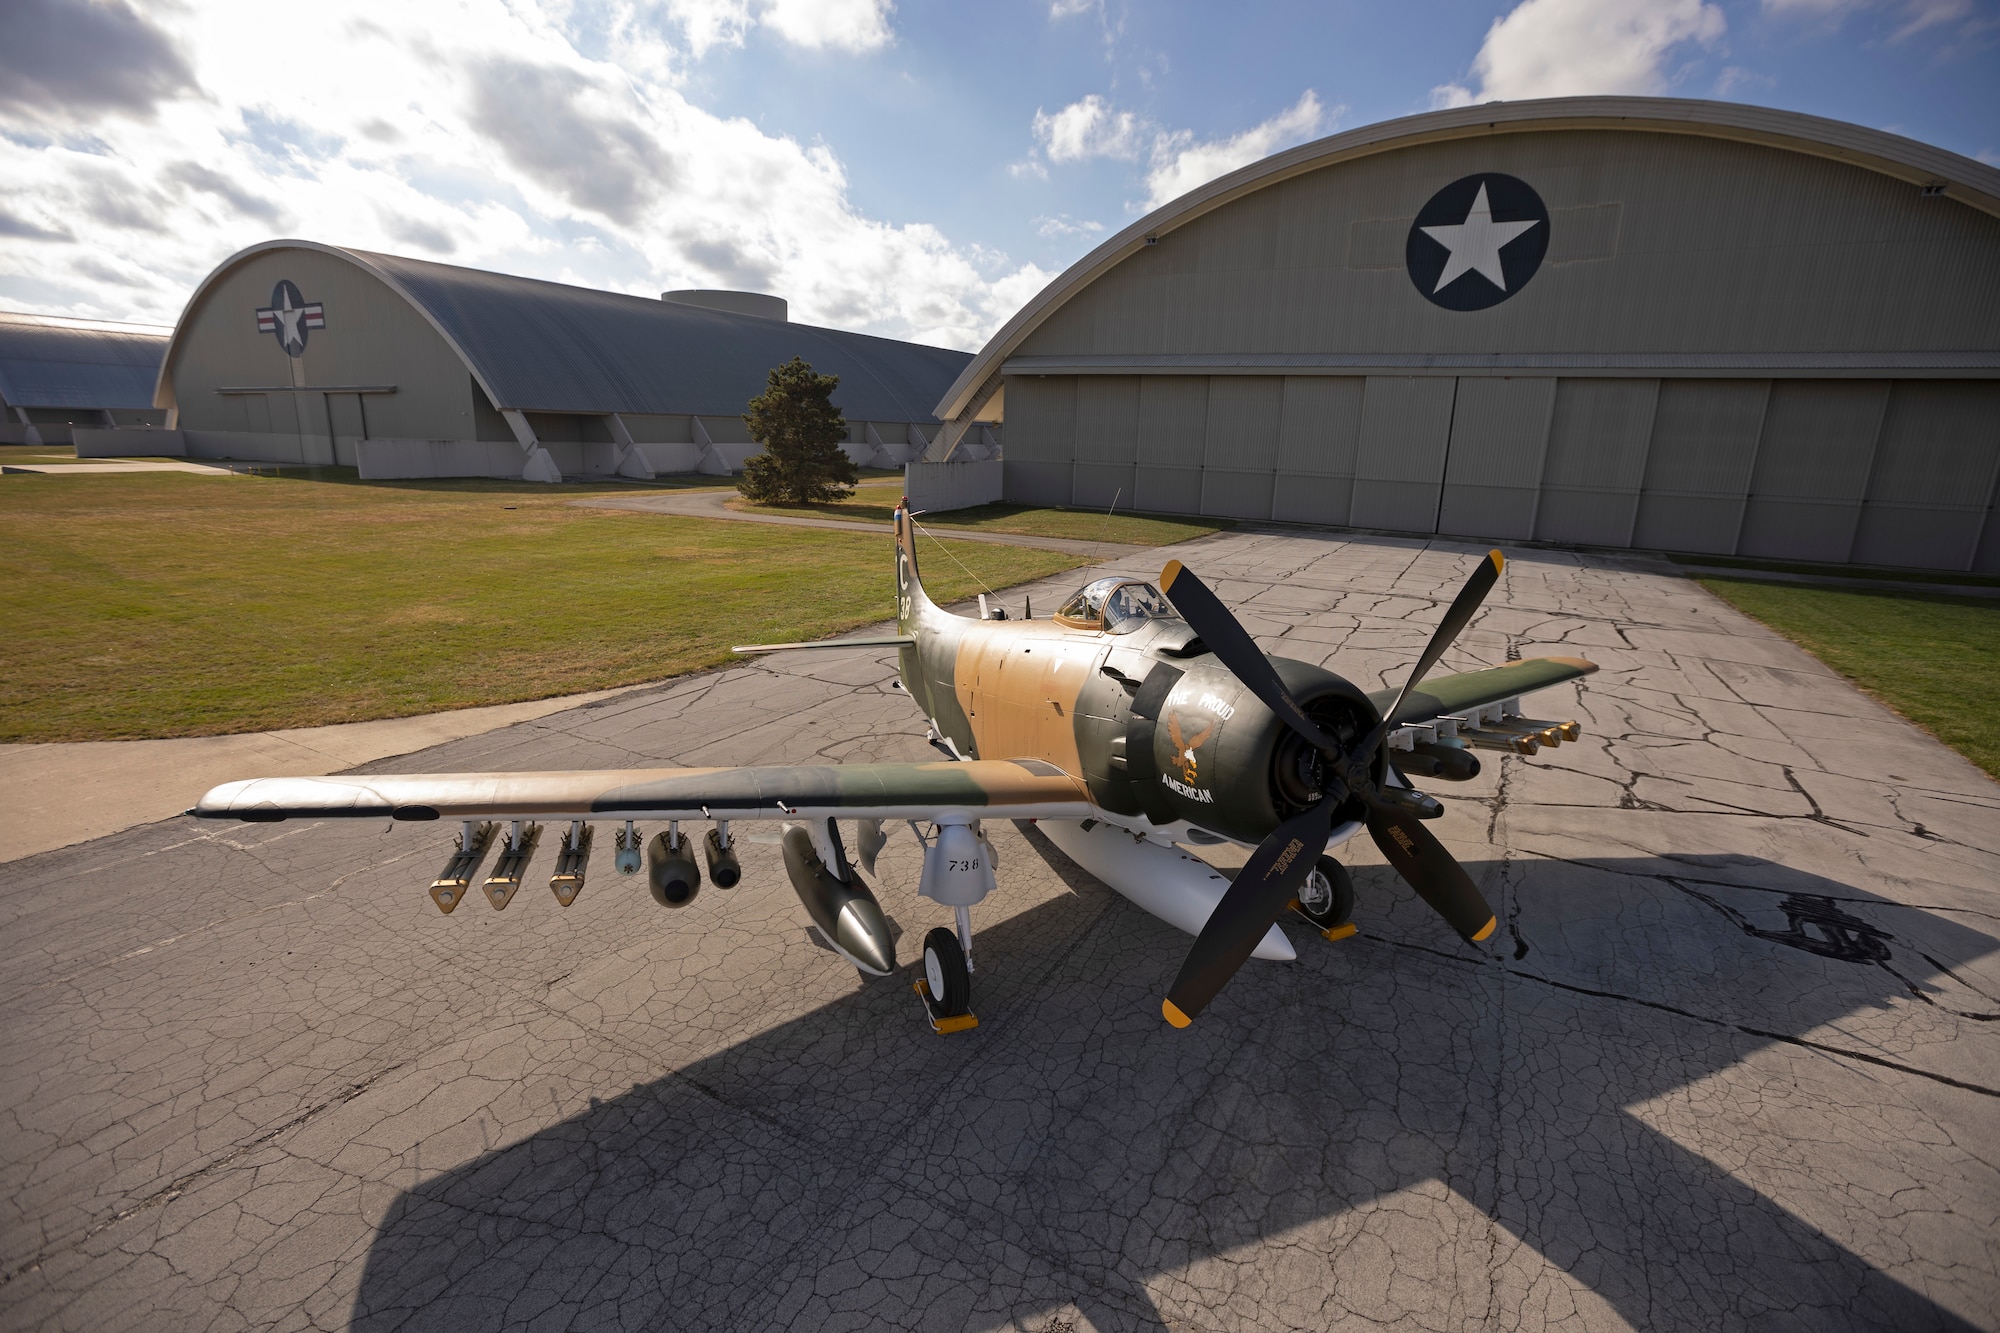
[865,641]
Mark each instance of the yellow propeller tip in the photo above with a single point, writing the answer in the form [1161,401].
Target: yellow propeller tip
[1499,561]
[1174,1016]
[1491,923]
[1170,573]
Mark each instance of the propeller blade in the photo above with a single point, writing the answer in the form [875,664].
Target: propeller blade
[1235,649]
[1263,889]
[1432,871]
[1463,608]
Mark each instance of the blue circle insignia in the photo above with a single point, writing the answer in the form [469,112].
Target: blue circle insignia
[1477,242]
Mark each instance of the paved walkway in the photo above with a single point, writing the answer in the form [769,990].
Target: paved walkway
[59,794]
[715,504]
[119,465]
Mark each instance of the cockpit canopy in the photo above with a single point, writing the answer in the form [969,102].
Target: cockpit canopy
[1116,606]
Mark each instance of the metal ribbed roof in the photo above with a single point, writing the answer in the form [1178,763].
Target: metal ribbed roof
[548,347]
[49,361]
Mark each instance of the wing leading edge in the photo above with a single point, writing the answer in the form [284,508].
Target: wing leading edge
[985,788]
[1471,689]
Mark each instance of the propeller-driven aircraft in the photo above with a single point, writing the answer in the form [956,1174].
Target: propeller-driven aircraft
[1135,721]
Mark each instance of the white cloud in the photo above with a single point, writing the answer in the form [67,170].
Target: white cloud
[1062,9]
[1179,163]
[1062,224]
[1561,48]
[844,25]
[480,133]
[1089,128]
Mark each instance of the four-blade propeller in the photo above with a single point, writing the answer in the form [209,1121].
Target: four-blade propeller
[1270,881]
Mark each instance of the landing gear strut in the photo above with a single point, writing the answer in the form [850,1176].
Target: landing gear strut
[958,872]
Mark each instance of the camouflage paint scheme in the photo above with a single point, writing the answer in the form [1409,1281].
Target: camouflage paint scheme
[1054,719]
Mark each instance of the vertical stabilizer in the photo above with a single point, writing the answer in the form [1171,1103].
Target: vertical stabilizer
[911,600]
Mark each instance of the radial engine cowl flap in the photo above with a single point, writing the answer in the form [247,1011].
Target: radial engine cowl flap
[958,867]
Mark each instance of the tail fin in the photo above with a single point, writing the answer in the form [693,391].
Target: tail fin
[911,600]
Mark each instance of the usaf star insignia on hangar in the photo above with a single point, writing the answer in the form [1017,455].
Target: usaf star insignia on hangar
[289,316]
[1477,242]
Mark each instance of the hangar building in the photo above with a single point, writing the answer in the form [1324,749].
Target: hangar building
[1612,322]
[57,374]
[297,351]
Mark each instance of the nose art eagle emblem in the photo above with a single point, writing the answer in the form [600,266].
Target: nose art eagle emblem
[1185,746]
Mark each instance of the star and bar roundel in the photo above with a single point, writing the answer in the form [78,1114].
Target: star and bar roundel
[1477,242]
[290,316]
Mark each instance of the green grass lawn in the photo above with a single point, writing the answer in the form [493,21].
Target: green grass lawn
[1877,572]
[874,504]
[1933,658]
[164,604]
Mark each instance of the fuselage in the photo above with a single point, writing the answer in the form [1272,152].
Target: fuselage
[1159,731]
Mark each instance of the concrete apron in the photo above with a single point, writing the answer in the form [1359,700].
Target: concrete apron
[64,793]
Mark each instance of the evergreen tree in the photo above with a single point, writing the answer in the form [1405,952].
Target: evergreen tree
[801,430]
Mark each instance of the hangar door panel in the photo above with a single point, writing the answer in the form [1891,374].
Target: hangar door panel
[1041,439]
[1107,439]
[1698,469]
[1493,473]
[1596,461]
[1319,434]
[1173,427]
[1241,449]
[1399,468]
[1933,479]
[1812,468]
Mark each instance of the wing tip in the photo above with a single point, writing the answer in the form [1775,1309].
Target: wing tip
[1173,1014]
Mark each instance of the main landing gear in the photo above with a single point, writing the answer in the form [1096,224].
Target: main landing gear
[1326,899]
[947,981]
[958,872]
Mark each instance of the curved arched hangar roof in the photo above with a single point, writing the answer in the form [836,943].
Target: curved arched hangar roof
[1580,279]
[535,346]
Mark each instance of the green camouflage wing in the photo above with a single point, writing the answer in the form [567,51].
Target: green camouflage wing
[1469,690]
[986,788]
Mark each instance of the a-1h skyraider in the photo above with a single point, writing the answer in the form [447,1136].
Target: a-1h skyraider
[1135,719]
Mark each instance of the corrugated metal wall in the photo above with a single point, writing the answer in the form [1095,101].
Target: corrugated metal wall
[1725,279]
[1870,471]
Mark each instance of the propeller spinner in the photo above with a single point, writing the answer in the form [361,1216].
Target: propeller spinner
[1269,882]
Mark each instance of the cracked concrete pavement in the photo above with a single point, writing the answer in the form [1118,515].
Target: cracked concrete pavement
[1732,1062]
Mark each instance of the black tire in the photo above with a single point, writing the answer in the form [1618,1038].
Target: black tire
[945,973]
[1327,900]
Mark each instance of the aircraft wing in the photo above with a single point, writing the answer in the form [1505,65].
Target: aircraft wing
[1456,694]
[864,641]
[978,789]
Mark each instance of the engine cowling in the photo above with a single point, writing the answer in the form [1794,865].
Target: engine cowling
[1222,760]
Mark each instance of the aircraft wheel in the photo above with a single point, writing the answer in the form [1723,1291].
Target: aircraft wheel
[1327,897]
[946,974]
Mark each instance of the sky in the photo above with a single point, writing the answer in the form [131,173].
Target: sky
[908,168]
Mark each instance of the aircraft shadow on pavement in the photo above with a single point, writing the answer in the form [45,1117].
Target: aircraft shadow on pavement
[849,1169]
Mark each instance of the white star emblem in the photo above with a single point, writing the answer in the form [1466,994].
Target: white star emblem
[289,316]
[1475,244]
